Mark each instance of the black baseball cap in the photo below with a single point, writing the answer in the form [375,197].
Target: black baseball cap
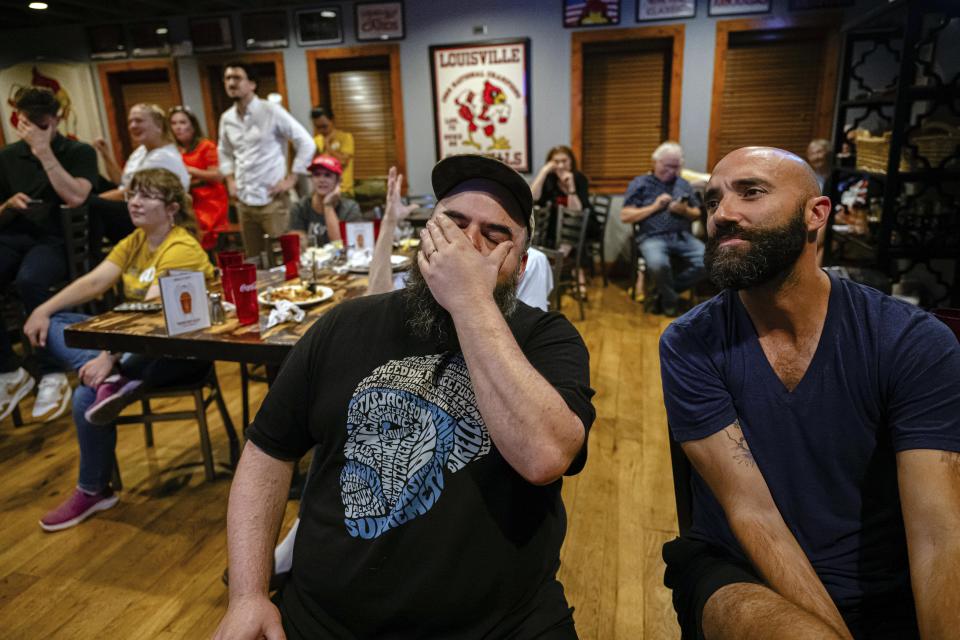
[455,170]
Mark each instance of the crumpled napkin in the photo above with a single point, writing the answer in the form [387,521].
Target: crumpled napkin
[284,311]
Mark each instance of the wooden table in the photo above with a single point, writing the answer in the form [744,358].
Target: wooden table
[146,333]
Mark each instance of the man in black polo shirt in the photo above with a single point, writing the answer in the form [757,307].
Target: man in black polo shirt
[40,172]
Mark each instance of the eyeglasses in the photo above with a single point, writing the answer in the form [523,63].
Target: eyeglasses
[143,195]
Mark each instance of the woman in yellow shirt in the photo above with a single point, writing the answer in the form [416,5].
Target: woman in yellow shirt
[164,238]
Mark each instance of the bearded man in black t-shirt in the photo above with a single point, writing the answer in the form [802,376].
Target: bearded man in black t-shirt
[444,417]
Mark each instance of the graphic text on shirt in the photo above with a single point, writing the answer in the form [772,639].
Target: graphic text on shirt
[405,425]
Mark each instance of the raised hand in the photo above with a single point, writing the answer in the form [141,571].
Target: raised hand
[395,207]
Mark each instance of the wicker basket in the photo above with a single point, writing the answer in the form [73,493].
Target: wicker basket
[873,152]
[935,142]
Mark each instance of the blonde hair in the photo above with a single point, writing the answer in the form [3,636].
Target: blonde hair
[159,116]
[164,184]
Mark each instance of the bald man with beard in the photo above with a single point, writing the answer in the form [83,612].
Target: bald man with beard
[822,419]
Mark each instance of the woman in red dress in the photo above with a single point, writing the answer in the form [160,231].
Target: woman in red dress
[209,194]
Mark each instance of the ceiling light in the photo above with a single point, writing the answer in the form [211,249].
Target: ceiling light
[323,14]
[161,31]
[39,6]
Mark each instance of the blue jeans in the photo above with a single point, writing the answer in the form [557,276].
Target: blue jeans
[97,442]
[33,266]
[657,251]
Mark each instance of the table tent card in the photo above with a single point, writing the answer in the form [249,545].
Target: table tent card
[184,297]
[360,240]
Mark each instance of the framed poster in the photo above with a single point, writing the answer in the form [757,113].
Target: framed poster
[737,7]
[590,13]
[211,34]
[665,9]
[319,26]
[264,30]
[379,20]
[481,100]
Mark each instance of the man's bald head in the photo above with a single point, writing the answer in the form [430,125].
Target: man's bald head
[785,168]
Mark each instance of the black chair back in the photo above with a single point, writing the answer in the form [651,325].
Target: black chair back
[541,226]
[599,212]
[75,224]
[571,242]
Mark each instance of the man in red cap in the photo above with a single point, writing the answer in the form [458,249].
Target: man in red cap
[443,418]
[320,214]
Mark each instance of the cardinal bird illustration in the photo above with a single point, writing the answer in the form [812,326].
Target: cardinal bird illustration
[484,110]
[67,116]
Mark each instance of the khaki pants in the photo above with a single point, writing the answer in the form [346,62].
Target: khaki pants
[271,219]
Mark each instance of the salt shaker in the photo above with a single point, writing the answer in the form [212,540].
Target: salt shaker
[217,314]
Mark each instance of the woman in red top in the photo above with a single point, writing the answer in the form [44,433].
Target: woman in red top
[209,194]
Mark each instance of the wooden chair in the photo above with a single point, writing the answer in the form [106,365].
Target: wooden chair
[195,390]
[599,211]
[571,242]
[541,226]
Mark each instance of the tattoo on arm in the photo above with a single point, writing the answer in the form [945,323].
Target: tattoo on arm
[738,445]
[951,459]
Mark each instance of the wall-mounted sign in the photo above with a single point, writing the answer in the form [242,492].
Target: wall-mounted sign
[590,13]
[379,20]
[319,26]
[736,7]
[481,100]
[665,9]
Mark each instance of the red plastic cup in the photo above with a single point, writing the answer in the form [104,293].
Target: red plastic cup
[243,283]
[228,259]
[290,245]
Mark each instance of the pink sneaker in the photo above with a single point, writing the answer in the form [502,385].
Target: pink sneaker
[113,395]
[77,508]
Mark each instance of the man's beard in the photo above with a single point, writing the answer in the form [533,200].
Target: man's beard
[770,253]
[428,320]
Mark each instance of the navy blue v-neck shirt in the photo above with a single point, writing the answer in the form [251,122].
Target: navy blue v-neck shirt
[885,378]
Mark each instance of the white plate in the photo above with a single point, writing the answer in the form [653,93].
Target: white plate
[323,294]
[396,261]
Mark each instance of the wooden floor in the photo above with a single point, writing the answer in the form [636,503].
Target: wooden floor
[151,567]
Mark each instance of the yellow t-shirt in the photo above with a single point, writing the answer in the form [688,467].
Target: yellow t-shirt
[140,265]
[342,143]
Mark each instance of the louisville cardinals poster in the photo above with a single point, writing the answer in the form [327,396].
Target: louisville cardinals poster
[481,100]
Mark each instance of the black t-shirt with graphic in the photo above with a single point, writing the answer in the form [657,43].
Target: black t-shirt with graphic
[413,523]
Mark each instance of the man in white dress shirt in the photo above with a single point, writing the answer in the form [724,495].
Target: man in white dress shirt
[253,140]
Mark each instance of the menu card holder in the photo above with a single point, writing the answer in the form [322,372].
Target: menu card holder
[184,297]
[360,238]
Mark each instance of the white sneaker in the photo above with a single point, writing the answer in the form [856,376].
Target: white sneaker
[53,397]
[13,387]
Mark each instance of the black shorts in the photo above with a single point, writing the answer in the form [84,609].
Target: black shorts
[695,571]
